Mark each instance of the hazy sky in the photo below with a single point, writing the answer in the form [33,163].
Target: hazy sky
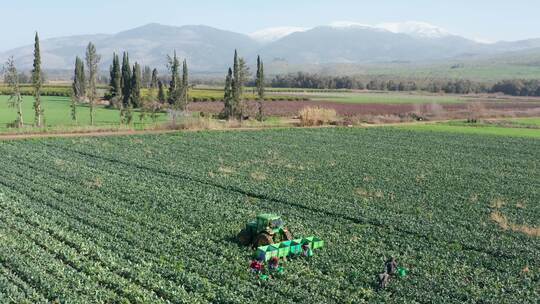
[488,20]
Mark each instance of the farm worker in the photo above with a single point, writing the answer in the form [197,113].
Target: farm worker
[390,269]
[274,264]
[391,266]
[256,266]
[384,278]
[306,250]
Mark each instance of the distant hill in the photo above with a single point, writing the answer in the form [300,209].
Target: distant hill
[206,48]
[326,48]
[357,44]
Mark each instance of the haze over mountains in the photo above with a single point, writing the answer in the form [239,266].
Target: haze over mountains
[209,50]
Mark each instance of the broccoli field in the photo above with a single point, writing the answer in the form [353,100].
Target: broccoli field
[154,218]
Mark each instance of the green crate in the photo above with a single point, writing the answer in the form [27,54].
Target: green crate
[261,253]
[317,243]
[296,246]
[284,249]
[272,251]
[309,241]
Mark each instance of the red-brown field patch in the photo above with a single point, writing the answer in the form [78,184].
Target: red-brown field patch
[291,108]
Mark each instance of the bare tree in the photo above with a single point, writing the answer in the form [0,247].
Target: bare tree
[15,99]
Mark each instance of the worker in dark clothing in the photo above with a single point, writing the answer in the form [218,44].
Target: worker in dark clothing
[390,269]
[391,266]
[384,278]
[274,264]
[306,251]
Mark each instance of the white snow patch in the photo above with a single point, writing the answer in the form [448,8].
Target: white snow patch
[415,28]
[345,24]
[276,33]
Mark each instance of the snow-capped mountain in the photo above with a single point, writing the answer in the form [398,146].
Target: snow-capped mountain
[413,28]
[275,33]
[209,49]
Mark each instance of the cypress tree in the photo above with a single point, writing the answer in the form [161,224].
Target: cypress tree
[136,84]
[92,62]
[37,81]
[260,78]
[154,82]
[174,86]
[239,77]
[125,110]
[185,85]
[115,84]
[79,87]
[236,77]
[79,80]
[146,77]
[228,101]
[260,87]
[161,92]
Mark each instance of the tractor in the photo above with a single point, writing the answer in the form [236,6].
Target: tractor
[267,229]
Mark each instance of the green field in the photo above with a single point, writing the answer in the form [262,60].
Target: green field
[529,121]
[153,219]
[519,127]
[58,113]
[483,72]
[386,98]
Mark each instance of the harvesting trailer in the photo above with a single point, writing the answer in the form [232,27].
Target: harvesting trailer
[267,229]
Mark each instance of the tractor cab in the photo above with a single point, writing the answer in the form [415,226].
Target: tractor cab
[272,222]
[266,229]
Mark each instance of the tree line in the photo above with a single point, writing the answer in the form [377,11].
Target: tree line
[126,82]
[302,80]
[237,77]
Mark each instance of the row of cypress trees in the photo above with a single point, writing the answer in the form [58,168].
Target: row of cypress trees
[178,86]
[125,85]
[237,76]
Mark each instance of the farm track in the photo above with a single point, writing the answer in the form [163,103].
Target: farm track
[8,137]
[290,124]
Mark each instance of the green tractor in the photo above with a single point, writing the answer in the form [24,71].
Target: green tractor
[267,229]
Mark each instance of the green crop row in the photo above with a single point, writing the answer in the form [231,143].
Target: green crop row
[154,218]
[46,91]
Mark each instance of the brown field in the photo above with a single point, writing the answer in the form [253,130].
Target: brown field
[292,108]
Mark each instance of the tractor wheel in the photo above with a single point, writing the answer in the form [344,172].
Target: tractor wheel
[263,239]
[244,237]
[287,235]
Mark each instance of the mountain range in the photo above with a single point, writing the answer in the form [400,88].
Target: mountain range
[210,50]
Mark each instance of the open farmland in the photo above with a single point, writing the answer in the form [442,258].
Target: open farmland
[58,114]
[519,127]
[387,98]
[153,219]
[291,108]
